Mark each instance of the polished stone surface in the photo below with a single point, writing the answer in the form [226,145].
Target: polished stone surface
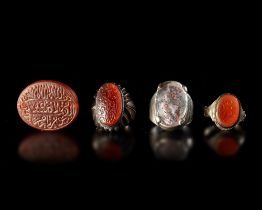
[228,110]
[109,104]
[171,103]
[48,105]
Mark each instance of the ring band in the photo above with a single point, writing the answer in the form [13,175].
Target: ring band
[113,107]
[171,106]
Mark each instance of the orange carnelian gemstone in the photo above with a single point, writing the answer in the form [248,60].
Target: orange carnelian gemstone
[228,110]
[109,104]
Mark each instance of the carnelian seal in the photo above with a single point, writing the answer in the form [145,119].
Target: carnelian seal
[109,102]
[226,111]
[48,105]
[113,107]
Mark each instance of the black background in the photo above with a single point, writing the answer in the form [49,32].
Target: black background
[209,57]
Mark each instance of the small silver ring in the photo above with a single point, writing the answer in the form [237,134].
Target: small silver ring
[226,111]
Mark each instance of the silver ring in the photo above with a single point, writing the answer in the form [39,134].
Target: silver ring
[171,106]
[226,112]
[113,107]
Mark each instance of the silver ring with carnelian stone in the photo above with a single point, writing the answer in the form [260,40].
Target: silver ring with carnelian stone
[113,107]
[226,111]
[171,106]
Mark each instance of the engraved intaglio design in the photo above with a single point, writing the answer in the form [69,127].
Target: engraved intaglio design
[113,107]
[48,105]
[171,106]
[226,111]
[109,104]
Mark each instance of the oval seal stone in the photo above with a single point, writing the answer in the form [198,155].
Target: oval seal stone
[228,110]
[171,103]
[109,105]
[48,105]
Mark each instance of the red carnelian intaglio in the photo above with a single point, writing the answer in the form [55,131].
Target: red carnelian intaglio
[109,104]
[228,110]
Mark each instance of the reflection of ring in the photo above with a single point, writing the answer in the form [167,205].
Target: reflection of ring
[173,145]
[171,106]
[50,148]
[113,107]
[224,143]
[226,111]
[113,146]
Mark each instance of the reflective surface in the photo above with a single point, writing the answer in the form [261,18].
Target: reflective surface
[225,143]
[113,146]
[43,147]
[171,145]
[120,158]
